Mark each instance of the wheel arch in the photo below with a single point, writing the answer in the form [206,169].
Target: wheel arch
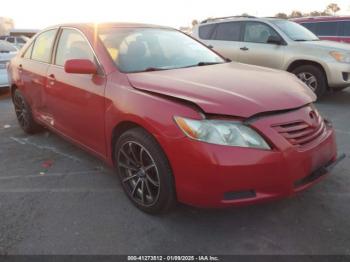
[301,62]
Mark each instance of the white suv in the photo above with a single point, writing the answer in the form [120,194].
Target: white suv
[279,44]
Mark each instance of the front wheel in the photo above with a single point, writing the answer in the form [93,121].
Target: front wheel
[313,77]
[144,171]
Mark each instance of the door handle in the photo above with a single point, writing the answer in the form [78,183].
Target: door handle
[244,48]
[51,79]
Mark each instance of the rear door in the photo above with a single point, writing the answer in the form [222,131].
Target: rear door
[255,48]
[76,101]
[225,38]
[33,69]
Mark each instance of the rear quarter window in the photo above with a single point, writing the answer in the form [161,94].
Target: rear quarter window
[229,31]
[206,31]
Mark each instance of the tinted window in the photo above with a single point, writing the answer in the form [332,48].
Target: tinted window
[258,32]
[21,40]
[344,28]
[72,45]
[310,26]
[327,28]
[28,52]
[43,46]
[206,31]
[2,37]
[11,39]
[228,31]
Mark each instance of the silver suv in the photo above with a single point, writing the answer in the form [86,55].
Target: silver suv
[279,44]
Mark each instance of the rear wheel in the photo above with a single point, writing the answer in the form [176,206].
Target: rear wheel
[24,114]
[144,171]
[313,77]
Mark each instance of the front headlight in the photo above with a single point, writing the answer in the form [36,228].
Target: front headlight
[222,132]
[341,57]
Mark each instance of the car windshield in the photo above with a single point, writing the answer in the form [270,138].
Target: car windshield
[151,49]
[6,47]
[295,31]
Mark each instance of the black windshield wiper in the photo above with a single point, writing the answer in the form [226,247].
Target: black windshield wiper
[300,40]
[150,69]
[208,63]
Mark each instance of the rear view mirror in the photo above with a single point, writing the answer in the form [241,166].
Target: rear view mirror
[276,40]
[80,66]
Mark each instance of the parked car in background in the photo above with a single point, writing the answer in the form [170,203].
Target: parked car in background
[334,28]
[176,120]
[280,44]
[7,51]
[18,41]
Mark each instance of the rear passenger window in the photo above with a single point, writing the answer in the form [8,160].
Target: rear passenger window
[230,31]
[327,28]
[206,31]
[72,45]
[43,46]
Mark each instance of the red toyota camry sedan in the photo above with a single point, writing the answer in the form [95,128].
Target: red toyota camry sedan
[176,120]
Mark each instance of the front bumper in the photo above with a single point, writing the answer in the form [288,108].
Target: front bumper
[209,175]
[338,75]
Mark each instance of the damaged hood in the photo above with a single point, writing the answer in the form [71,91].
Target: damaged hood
[228,89]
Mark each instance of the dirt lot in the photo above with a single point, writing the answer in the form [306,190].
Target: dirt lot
[57,199]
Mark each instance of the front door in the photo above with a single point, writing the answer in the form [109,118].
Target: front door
[255,48]
[76,101]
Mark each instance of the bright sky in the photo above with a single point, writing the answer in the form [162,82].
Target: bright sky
[38,14]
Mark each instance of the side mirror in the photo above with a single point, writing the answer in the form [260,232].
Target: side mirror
[80,66]
[276,40]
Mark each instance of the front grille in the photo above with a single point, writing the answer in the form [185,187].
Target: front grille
[302,132]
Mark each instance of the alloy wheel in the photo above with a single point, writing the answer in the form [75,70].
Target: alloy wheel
[21,110]
[139,173]
[309,79]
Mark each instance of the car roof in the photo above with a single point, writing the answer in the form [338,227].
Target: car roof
[238,18]
[106,25]
[321,18]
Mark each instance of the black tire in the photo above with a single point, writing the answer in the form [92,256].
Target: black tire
[319,75]
[136,151]
[24,114]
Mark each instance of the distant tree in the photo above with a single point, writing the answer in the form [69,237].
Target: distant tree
[296,14]
[333,8]
[325,13]
[315,13]
[194,22]
[245,14]
[282,15]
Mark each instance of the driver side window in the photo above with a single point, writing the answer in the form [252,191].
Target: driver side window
[258,32]
[72,45]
